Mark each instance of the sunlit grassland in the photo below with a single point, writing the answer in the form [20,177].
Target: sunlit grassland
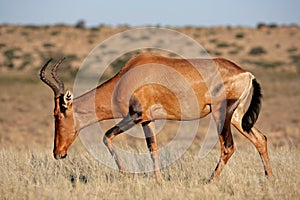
[29,171]
[36,175]
[26,123]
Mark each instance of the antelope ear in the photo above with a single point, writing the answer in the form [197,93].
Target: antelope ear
[68,99]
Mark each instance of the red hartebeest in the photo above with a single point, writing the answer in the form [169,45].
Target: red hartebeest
[149,102]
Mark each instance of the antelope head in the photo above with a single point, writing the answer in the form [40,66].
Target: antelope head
[65,131]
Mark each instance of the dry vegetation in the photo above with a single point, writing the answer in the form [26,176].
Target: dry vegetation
[32,175]
[28,170]
[26,47]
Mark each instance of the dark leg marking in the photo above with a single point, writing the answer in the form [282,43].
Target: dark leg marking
[133,117]
[149,131]
[225,135]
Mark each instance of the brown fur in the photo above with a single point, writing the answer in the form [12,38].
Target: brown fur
[123,97]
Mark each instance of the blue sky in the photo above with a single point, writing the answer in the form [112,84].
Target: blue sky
[154,12]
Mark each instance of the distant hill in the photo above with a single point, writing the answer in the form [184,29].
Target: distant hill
[26,48]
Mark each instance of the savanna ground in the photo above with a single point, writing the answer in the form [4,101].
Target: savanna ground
[29,171]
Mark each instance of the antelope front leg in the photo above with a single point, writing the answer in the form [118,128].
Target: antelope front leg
[149,131]
[107,140]
[119,128]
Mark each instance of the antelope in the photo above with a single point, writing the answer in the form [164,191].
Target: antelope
[119,97]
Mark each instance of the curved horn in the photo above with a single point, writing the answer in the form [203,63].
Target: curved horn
[45,80]
[57,90]
[56,78]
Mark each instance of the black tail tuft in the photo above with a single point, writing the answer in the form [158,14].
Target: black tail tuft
[252,113]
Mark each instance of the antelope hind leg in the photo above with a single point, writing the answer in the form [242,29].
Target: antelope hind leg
[149,131]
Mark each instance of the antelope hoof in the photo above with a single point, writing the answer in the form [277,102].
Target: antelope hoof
[60,156]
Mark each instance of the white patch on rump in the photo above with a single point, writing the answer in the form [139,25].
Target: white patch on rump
[245,98]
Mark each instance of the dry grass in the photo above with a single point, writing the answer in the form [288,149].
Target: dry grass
[36,175]
[28,170]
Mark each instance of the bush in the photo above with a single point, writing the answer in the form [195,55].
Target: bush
[94,29]
[257,51]
[11,53]
[261,25]
[296,61]
[48,45]
[24,33]
[265,63]
[54,33]
[223,45]
[213,40]
[292,49]
[2,45]
[239,35]
[264,25]
[233,52]
[27,60]
[32,27]
[80,24]
[122,60]
[272,25]
[269,64]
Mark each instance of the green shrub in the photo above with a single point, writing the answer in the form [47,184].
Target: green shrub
[12,30]
[27,60]
[265,64]
[239,35]
[2,45]
[269,64]
[295,58]
[80,24]
[272,25]
[233,52]
[296,61]
[54,33]
[257,51]
[261,25]
[94,29]
[144,37]
[223,45]
[213,40]
[122,60]
[24,33]
[11,53]
[264,25]
[33,27]
[48,45]
[292,49]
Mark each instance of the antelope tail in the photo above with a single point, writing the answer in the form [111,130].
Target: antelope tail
[252,113]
